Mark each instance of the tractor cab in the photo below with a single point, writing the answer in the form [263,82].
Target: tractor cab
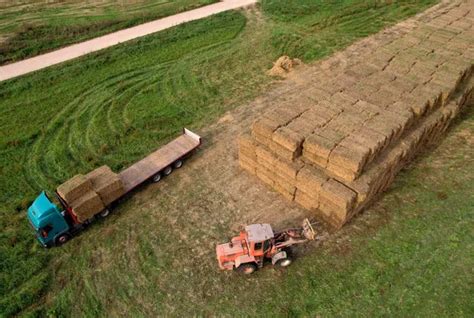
[46,219]
[259,238]
[250,247]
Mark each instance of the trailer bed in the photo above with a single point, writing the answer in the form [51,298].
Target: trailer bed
[146,168]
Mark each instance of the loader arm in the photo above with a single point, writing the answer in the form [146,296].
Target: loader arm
[295,236]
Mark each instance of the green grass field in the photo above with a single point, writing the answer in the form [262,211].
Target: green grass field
[409,256]
[30,27]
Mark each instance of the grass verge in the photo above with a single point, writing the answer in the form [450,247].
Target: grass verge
[28,28]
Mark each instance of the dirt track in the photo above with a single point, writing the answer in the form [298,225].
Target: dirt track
[71,52]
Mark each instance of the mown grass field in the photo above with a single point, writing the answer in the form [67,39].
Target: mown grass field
[408,256]
[30,27]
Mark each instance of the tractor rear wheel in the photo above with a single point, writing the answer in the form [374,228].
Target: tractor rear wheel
[247,269]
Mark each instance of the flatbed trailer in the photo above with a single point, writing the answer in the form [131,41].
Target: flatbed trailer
[54,226]
[159,162]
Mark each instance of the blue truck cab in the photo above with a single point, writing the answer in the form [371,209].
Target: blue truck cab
[48,221]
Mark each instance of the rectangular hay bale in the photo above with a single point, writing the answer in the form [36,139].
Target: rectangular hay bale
[263,140]
[248,164]
[306,201]
[106,184]
[288,139]
[264,127]
[350,157]
[244,152]
[287,167]
[287,193]
[338,194]
[88,205]
[74,188]
[310,180]
[319,145]
[264,177]
[282,152]
[341,173]
[264,155]
[333,215]
[314,159]
[247,144]
[110,190]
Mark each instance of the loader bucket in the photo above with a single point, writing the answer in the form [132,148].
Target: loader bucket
[308,230]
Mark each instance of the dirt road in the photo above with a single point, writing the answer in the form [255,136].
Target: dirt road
[71,52]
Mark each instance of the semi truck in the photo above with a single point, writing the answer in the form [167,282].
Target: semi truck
[89,197]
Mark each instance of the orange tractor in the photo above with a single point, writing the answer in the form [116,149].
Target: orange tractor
[257,243]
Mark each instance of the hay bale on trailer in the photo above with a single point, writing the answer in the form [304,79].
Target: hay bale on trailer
[106,183]
[74,188]
[88,205]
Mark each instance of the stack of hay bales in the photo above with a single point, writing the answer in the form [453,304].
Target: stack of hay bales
[106,184]
[90,194]
[340,141]
[79,195]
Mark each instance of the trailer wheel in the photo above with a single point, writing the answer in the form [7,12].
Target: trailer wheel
[247,269]
[167,171]
[104,213]
[178,164]
[156,177]
[63,238]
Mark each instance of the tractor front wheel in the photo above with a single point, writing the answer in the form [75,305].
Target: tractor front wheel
[284,262]
[247,269]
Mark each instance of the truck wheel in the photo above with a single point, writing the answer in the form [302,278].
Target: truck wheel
[247,269]
[284,262]
[63,238]
[178,164]
[157,177]
[167,171]
[104,213]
